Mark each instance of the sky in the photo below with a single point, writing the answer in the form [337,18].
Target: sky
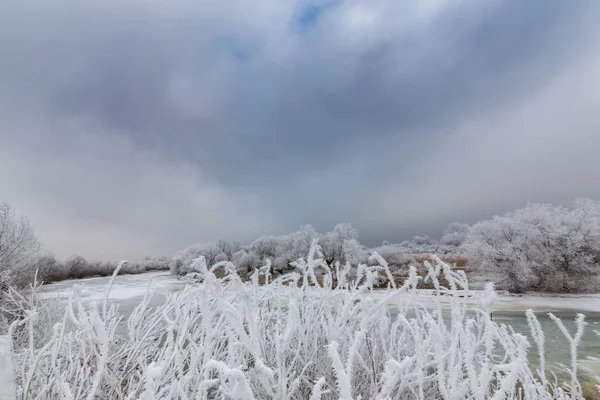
[139,127]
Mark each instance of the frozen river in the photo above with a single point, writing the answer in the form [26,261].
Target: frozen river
[128,290]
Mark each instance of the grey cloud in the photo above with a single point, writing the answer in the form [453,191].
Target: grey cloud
[256,126]
[540,148]
[112,199]
[149,74]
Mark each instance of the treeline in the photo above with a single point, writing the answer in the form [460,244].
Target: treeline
[540,247]
[45,268]
[341,245]
[77,267]
[22,259]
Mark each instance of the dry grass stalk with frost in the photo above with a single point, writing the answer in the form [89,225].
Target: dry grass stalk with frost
[296,337]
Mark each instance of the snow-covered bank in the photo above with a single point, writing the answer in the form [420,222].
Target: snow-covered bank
[225,338]
[125,287]
[7,377]
[550,302]
[128,291]
[538,302]
[129,287]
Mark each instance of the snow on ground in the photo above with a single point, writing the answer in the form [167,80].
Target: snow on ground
[125,287]
[129,287]
[7,381]
[549,302]
[539,302]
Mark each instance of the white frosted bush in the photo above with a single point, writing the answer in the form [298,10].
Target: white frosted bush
[296,337]
[540,247]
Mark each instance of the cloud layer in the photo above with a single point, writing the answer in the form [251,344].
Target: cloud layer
[139,127]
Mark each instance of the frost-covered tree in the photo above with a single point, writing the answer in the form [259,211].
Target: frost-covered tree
[292,246]
[18,247]
[182,261]
[50,269]
[155,263]
[395,256]
[302,241]
[454,235]
[246,261]
[131,268]
[78,267]
[106,268]
[212,252]
[342,245]
[225,249]
[420,244]
[540,246]
[265,247]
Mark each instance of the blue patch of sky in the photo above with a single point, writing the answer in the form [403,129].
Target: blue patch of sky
[310,13]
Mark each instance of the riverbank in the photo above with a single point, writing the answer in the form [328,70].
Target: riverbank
[341,313]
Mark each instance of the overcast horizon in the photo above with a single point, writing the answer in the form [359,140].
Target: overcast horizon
[134,128]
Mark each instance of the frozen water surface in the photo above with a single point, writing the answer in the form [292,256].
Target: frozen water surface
[128,290]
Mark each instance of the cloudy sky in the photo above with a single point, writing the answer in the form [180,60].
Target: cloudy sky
[138,127]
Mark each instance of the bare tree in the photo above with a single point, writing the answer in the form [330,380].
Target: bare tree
[342,245]
[49,269]
[226,248]
[77,267]
[18,246]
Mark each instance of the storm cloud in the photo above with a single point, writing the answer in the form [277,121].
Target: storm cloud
[132,128]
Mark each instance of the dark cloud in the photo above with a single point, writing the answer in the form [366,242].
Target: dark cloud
[294,113]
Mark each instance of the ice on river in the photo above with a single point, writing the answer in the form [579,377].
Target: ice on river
[128,290]
[125,287]
[131,287]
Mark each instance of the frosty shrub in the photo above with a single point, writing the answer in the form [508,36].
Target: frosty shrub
[18,248]
[396,259]
[540,247]
[295,337]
